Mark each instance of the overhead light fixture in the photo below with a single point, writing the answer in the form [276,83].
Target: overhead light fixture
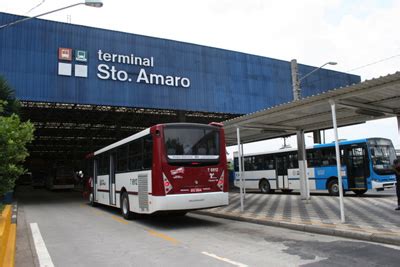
[91,3]
[94,3]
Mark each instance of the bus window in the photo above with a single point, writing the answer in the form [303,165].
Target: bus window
[313,158]
[269,162]
[185,144]
[122,159]
[259,162]
[382,155]
[135,161]
[103,164]
[293,161]
[147,152]
[236,164]
[248,163]
[328,157]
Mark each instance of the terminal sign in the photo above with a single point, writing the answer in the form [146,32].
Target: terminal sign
[108,71]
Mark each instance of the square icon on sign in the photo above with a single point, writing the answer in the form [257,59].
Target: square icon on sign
[65,54]
[81,71]
[64,69]
[80,55]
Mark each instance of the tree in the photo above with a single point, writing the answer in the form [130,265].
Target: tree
[11,104]
[14,135]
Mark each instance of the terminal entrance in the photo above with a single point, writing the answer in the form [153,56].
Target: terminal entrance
[66,133]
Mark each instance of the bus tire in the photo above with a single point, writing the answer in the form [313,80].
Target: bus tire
[360,192]
[333,187]
[125,210]
[264,186]
[91,200]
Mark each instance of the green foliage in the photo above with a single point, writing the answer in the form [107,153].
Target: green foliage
[11,105]
[14,135]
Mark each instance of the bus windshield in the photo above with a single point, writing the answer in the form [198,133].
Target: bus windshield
[382,155]
[188,143]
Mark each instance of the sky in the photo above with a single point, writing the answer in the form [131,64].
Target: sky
[361,35]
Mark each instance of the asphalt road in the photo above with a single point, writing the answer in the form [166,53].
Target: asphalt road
[76,234]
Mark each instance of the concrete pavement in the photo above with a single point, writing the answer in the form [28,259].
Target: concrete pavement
[370,218]
[367,218]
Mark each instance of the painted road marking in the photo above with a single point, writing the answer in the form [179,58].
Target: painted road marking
[151,232]
[224,259]
[100,213]
[118,219]
[163,236]
[41,250]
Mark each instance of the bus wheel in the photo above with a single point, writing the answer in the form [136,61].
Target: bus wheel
[91,200]
[264,186]
[333,188]
[126,213]
[360,192]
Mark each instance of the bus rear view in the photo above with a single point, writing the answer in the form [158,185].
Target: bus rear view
[193,167]
[166,168]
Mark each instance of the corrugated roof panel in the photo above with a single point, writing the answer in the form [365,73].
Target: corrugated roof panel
[221,80]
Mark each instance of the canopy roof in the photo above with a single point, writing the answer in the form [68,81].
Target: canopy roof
[369,100]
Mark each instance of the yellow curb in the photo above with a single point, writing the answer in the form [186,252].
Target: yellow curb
[7,238]
[9,257]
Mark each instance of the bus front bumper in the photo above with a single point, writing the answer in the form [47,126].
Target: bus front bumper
[379,186]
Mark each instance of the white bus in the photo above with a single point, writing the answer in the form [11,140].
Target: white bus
[166,168]
[366,164]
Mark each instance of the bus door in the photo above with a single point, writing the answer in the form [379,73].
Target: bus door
[112,179]
[281,171]
[356,161]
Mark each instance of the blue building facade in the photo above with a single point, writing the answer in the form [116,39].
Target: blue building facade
[58,62]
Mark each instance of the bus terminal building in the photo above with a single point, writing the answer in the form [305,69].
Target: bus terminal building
[85,88]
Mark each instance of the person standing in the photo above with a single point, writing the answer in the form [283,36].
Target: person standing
[396,168]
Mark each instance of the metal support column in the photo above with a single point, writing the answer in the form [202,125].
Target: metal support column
[240,168]
[244,173]
[295,80]
[398,125]
[301,150]
[333,108]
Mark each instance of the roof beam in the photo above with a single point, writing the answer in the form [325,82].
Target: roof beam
[266,127]
[369,107]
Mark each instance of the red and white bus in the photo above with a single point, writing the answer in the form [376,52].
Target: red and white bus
[175,167]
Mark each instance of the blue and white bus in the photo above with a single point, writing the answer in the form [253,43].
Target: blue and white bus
[366,164]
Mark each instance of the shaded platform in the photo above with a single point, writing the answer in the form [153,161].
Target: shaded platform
[367,218]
